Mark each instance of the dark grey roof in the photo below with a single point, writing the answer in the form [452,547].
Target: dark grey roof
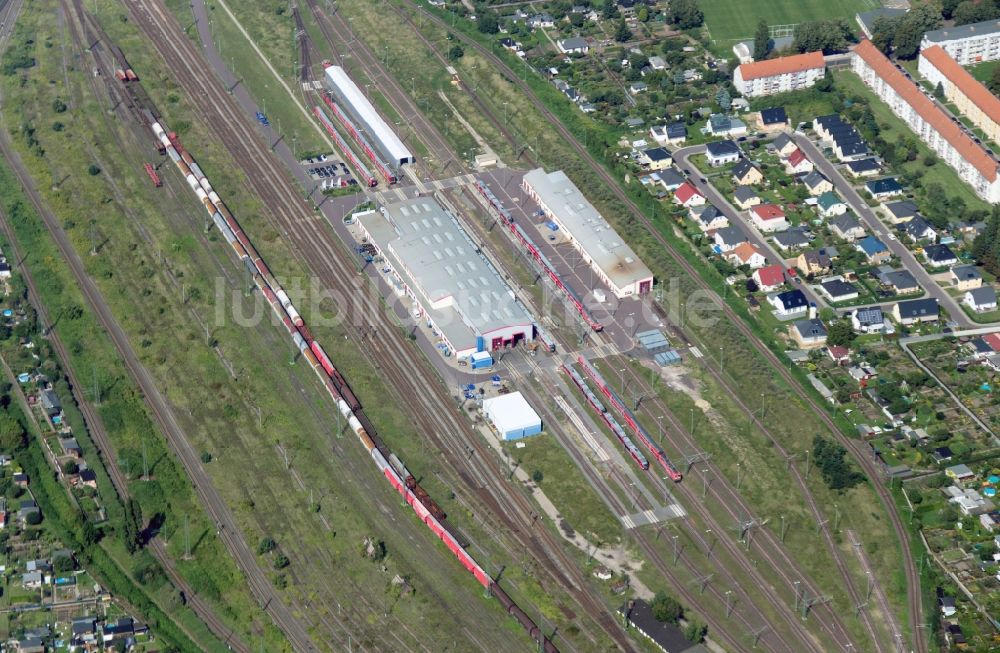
[742,167]
[782,140]
[657,154]
[810,328]
[902,208]
[708,213]
[744,193]
[676,130]
[963,31]
[722,148]
[918,307]
[845,222]
[790,238]
[813,179]
[828,120]
[899,279]
[838,288]
[731,235]
[792,299]
[864,165]
[984,295]
[867,18]
[671,177]
[668,636]
[852,148]
[917,227]
[885,185]
[966,272]
[773,116]
[939,253]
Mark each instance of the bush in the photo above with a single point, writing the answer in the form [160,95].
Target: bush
[93,170]
[266,545]
[281,561]
[58,105]
[33,518]
[537,476]
[206,457]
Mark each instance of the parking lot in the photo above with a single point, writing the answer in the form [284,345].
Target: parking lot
[330,171]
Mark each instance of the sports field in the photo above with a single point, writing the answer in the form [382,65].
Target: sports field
[734,20]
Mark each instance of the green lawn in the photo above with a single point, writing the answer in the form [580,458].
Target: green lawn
[730,21]
[983,71]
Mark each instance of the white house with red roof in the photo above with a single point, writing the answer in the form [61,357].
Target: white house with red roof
[747,254]
[798,163]
[687,195]
[770,277]
[768,217]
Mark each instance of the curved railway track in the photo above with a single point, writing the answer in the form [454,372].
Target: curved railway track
[914,597]
[318,253]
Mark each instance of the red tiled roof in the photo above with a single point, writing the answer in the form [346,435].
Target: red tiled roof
[993,340]
[837,352]
[927,110]
[782,65]
[797,157]
[744,251]
[685,192]
[966,83]
[771,275]
[768,211]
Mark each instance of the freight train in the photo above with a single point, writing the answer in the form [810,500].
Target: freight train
[522,236]
[362,169]
[608,418]
[340,392]
[658,453]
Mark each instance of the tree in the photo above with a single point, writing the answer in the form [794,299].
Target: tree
[685,14]
[266,545]
[829,36]
[12,435]
[825,83]
[910,30]
[69,467]
[665,609]
[281,561]
[456,52]
[761,41]
[537,476]
[723,99]
[63,564]
[975,11]
[58,105]
[948,8]
[488,23]
[840,334]
[132,526]
[610,9]
[93,170]
[695,632]
[33,518]
[643,14]
[836,471]
[884,32]
[622,32]
[994,82]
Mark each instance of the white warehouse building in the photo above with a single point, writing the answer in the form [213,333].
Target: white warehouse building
[599,244]
[512,416]
[350,97]
[967,44]
[435,263]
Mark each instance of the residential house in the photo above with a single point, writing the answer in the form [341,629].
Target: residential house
[915,311]
[71,447]
[969,501]
[88,478]
[676,133]
[670,178]
[966,277]
[792,239]
[864,167]
[809,333]
[573,45]
[51,403]
[746,254]
[28,507]
[656,62]
[884,188]
[839,354]
[768,218]
[817,183]
[947,604]
[960,473]
[789,303]
[830,205]
[868,319]
[967,44]
[901,282]
[687,195]
[813,262]
[708,217]
[32,580]
[850,149]
[823,125]
[659,134]
[745,197]
[981,300]
[773,119]
[899,211]
[798,163]
[728,238]
[838,290]
[664,636]
[20,479]
[746,173]
[770,277]
[722,125]
[917,229]
[784,145]
[637,87]
[938,256]
[779,75]
[971,98]
[656,158]
[720,153]
[847,227]
[874,249]
[541,20]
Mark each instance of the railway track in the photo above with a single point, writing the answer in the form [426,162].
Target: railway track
[914,598]
[313,246]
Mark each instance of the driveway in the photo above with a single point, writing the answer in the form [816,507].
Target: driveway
[736,218]
[876,227]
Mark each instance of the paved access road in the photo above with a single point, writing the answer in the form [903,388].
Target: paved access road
[881,231]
